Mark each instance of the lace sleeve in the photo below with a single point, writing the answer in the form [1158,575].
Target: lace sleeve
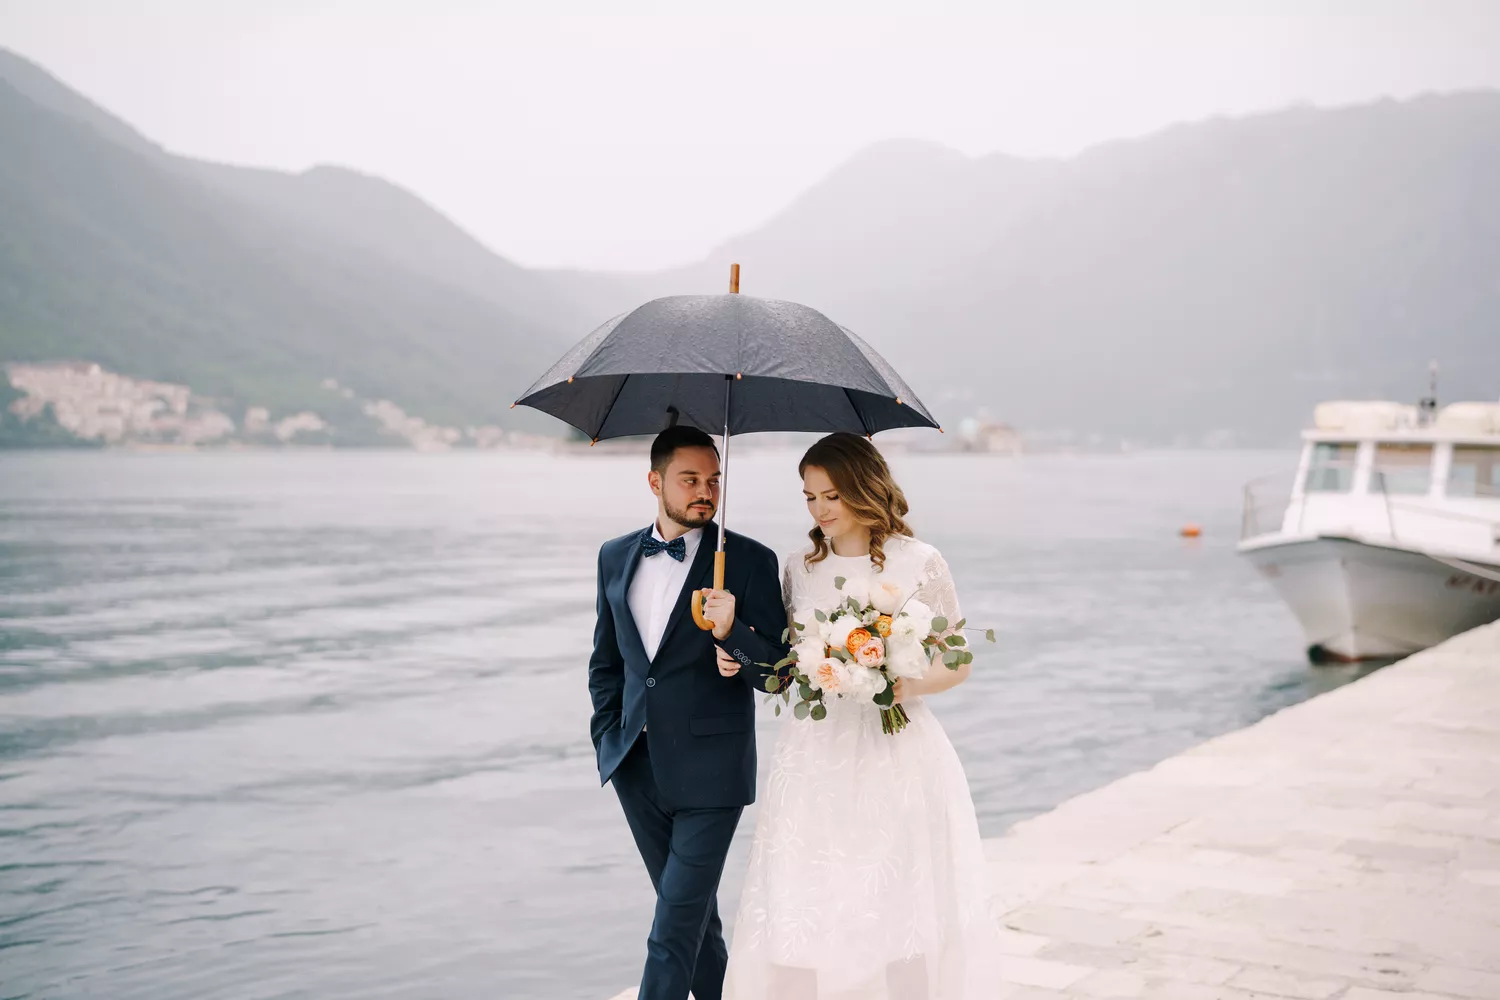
[937,591]
[790,592]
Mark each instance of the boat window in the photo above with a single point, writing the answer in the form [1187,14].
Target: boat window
[1475,471]
[1402,469]
[1332,467]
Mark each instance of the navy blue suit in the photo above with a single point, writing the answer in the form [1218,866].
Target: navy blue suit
[684,781]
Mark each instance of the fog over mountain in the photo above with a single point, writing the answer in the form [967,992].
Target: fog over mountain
[1207,284]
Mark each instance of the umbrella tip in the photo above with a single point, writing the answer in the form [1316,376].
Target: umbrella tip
[593,442]
[512,406]
[940,430]
[734,279]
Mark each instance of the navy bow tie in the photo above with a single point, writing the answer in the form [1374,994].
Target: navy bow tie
[676,548]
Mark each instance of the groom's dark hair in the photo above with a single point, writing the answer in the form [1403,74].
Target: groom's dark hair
[669,440]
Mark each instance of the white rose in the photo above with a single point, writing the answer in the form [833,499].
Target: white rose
[865,683]
[812,629]
[906,659]
[915,621]
[809,651]
[838,631]
[857,588]
[886,597]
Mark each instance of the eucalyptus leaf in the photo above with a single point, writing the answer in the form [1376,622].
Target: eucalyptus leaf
[961,623]
[801,710]
[990,635]
[819,713]
[886,698]
[956,640]
[839,582]
[778,708]
[820,616]
[773,684]
[940,624]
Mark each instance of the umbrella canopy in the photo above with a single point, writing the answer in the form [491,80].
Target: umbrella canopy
[729,364]
[668,361]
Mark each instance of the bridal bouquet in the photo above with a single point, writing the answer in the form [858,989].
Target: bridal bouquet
[859,650]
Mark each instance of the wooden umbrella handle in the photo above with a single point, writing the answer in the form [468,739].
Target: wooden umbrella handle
[698,595]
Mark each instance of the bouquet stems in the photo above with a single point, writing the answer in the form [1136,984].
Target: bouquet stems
[893,719]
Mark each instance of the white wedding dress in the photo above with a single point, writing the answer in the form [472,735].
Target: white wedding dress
[867,879]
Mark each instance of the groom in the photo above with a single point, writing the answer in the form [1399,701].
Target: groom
[675,737]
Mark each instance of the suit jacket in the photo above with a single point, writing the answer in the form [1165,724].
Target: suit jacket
[702,725]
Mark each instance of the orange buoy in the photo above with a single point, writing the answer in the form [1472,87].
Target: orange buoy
[1191,531]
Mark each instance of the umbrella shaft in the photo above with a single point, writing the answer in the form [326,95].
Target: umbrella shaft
[723,490]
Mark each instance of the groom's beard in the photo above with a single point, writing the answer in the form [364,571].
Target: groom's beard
[693,517]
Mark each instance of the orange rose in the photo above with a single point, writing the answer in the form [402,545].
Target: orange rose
[883,626]
[857,638]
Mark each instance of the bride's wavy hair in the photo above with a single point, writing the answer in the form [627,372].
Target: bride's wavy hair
[866,487]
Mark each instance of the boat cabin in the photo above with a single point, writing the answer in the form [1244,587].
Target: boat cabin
[1415,477]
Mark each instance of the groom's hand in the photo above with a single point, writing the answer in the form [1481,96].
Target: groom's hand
[718,607]
[728,665]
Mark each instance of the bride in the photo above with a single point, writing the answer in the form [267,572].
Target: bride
[867,879]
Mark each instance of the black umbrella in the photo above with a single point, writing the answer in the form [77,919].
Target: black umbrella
[724,363]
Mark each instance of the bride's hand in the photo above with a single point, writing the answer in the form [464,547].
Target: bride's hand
[905,689]
[728,665]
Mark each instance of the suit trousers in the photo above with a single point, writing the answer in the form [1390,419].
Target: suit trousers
[684,852]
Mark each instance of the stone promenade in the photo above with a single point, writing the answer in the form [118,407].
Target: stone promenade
[1347,848]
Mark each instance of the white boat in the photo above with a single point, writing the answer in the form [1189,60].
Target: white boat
[1386,539]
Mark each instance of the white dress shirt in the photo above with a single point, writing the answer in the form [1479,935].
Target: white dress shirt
[654,589]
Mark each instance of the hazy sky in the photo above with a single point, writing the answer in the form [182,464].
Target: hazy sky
[637,134]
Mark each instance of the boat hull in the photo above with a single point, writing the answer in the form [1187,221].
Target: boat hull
[1358,601]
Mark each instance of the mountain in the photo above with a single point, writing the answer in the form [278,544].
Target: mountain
[338,205]
[1211,282]
[1208,283]
[246,285]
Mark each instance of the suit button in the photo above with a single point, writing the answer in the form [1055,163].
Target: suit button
[651,682]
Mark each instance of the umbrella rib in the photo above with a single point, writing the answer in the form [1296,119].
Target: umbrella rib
[610,408]
[862,423]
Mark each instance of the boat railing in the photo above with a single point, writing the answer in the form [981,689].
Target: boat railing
[1267,501]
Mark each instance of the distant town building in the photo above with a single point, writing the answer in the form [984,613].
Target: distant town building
[979,435]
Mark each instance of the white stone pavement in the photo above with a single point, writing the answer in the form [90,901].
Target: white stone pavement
[1347,848]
